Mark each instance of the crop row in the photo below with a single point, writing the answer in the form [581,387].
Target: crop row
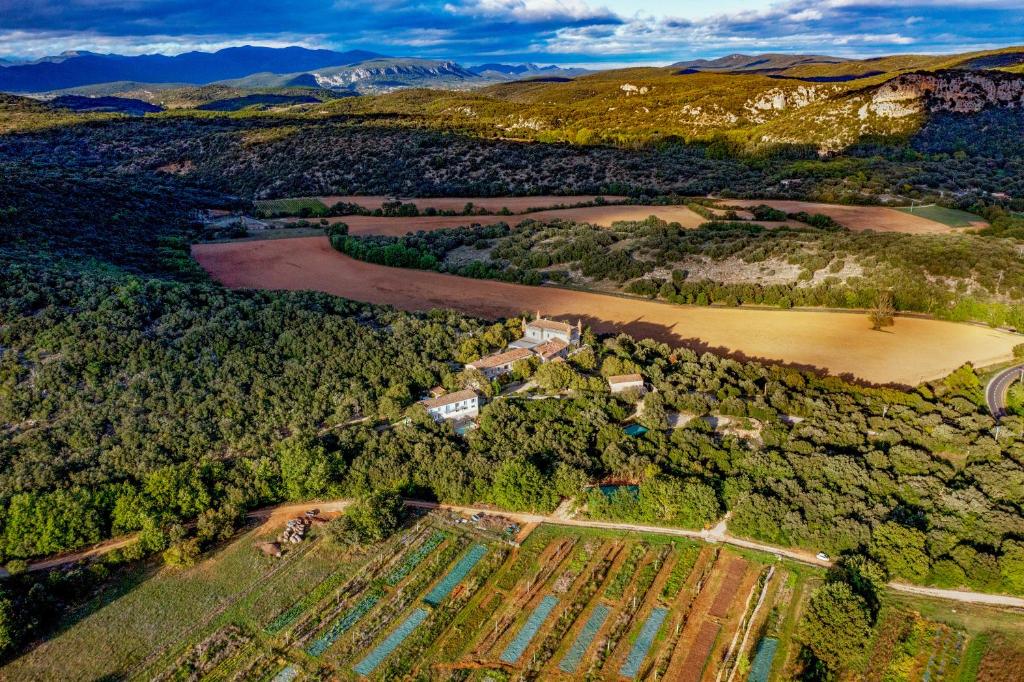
[389,609]
[416,647]
[623,622]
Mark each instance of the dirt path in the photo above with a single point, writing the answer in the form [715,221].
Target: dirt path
[716,535]
[912,351]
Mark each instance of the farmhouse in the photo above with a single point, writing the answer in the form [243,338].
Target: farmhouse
[539,330]
[499,363]
[551,350]
[625,382]
[458,405]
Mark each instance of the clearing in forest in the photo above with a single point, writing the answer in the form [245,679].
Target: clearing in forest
[912,351]
[458,204]
[877,218]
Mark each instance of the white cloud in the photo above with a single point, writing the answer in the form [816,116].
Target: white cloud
[35,44]
[529,10]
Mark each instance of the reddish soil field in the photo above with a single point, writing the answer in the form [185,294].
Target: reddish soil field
[728,589]
[912,351]
[697,656]
[877,218]
[514,204]
[602,216]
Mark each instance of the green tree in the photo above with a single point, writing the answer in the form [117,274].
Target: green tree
[182,554]
[1011,566]
[8,627]
[520,486]
[901,550]
[836,626]
[654,415]
[371,518]
[305,468]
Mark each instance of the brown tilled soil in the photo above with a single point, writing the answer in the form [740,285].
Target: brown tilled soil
[877,218]
[912,351]
[697,655]
[602,216]
[730,584]
[513,204]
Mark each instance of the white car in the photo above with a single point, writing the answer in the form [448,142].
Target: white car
[822,556]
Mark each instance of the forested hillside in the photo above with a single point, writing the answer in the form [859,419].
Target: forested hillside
[975,277]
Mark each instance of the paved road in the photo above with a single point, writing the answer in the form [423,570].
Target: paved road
[995,392]
[717,534]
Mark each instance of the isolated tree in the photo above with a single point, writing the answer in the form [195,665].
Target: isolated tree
[883,312]
[836,626]
[371,518]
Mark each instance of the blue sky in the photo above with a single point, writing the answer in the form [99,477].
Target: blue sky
[585,32]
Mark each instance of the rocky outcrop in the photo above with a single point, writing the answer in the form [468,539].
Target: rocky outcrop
[952,91]
[778,99]
[399,72]
[631,89]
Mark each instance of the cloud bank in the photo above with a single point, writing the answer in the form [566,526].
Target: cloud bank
[563,31]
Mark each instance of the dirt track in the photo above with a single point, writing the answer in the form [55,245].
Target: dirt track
[877,218]
[514,204]
[602,216]
[914,350]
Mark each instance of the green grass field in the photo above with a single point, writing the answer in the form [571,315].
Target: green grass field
[950,217]
[290,207]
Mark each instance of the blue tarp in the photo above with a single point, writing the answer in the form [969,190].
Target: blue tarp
[455,576]
[518,645]
[393,641]
[575,653]
[638,653]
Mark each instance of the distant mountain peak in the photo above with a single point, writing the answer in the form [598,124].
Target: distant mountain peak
[81,68]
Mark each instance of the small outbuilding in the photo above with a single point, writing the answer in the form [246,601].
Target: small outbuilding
[626,382]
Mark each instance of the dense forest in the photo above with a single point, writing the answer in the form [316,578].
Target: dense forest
[957,277]
[276,154]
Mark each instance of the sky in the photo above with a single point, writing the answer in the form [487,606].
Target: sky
[569,32]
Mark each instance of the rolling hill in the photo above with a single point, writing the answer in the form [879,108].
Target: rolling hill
[750,109]
[77,69]
[381,74]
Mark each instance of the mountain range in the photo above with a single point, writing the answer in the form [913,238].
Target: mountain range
[248,66]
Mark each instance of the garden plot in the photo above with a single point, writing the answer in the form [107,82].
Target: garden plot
[517,646]
[456,575]
[648,580]
[393,641]
[352,645]
[761,666]
[527,575]
[713,619]
[643,643]
[334,612]
[579,647]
